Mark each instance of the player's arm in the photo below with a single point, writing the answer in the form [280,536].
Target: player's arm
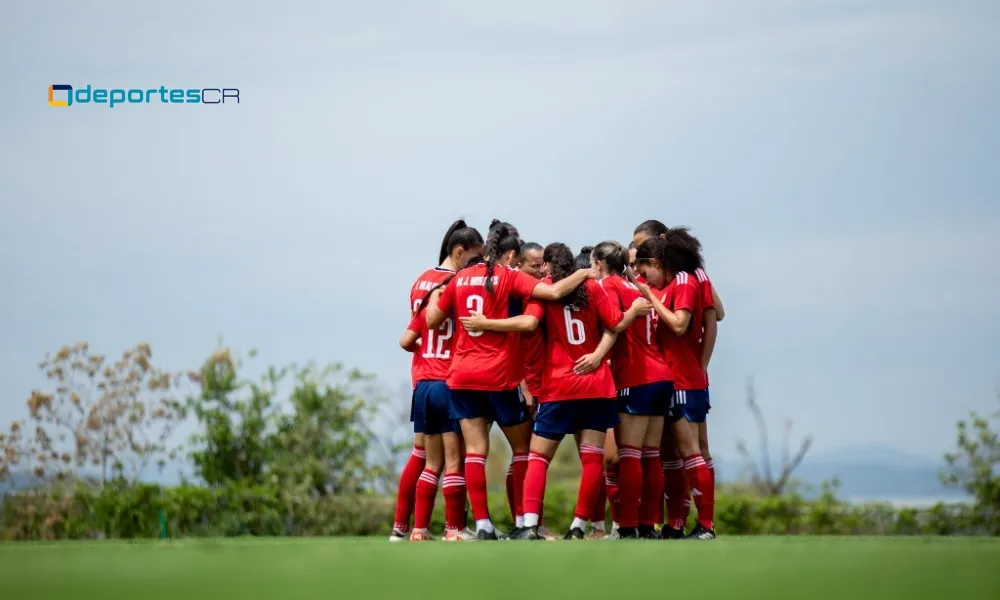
[526,286]
[720,312]
[677,320]
[439,304]
[411,337]
[521,323]
[640,308]
[708,336]
[590,362]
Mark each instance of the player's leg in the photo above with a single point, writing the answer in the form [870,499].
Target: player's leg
[674,485]
[651,505]
[427,487]
[453,489]
[515,422]
[630,434]
[695,410]
[550,426]
[472,410]
[593,418]
[408,477]
[611,478]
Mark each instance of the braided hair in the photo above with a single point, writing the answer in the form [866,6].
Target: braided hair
[562,264]
[502,239]
[583,258]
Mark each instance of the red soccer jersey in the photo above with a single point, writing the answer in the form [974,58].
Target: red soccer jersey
[431,360]
[707,302]
[571,333]
[533,353]
[482,358]
[684,352]
[636,359]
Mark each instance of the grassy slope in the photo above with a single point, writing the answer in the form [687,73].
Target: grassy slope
[279,569]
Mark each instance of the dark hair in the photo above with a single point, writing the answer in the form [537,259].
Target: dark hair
[501,240]
[652,227]
[613,254]
[510,228]
[459,235]
[583,258]
[674,255]
[631,245]
[528,246]
[682,237]
[562,264]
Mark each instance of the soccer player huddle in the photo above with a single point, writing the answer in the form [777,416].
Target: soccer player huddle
[611,346]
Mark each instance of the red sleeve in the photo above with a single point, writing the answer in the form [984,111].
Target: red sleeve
[607,307]
[610,288]
[686,296]
[535,308]
[521,284]
[417,323]
[447,300]
[705,286]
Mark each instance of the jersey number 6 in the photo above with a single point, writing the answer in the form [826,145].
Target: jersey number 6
[575,332]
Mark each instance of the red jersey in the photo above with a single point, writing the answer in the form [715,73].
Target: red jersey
[570,333]
[482,358]
[636,358]
[533,355]
[431,360]
[684,352]
[707,302]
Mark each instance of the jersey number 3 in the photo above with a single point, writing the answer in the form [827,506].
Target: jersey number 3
[475,304]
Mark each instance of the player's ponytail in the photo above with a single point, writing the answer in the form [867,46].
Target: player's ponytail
[614,255]
[562,264]
[583,258]
[501,239]
[446,246]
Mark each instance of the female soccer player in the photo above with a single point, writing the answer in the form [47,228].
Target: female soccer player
[429,369]
[669,264]
[571,402]
[483,384]
[642,378]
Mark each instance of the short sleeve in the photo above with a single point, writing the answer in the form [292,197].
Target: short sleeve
[705,287]
[521,284]
[610,288]
[417,323]
[686,295]
[607,307]
[447,300]
[535,309]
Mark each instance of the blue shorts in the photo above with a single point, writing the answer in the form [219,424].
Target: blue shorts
[555,419]
[649,400]
[506,408]
[693,405]
[431,405]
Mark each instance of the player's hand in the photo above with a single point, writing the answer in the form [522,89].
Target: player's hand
[593,273]
[642,307]
[529,400]
[587,363]
[474,322]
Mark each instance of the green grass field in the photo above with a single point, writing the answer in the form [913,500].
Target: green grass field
[280,569]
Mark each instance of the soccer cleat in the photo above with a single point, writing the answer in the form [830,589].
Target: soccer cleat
[546,534]
[515,532]
[458,535]
[421,535]
[483,535]
[700,532]
[595,534]
[647,532]
[398,535]
[575,534]
[671,533]
[529,533]
[628,533]
[613,534]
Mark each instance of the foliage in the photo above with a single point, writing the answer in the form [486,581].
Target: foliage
[116,417]
[975,467]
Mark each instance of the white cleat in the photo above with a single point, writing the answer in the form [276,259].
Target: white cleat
[398,535]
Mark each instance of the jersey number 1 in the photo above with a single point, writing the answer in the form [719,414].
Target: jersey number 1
[445,331]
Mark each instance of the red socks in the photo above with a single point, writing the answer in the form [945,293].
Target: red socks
[701,489]
[427,487]
[591,482]
[453,488]
[475,480]
[406,494]
[629,485]
[675,489]
[534,483]
[509,485]
[519,467]
[598,514]
[611,487]
[652,487]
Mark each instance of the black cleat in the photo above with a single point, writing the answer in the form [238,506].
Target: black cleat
[628,533]
[515,532]
[529,533]
[483,535]
[671,533]
[700,532]
[648,532]
[575,534]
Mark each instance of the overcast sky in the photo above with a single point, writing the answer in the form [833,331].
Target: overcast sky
[840,162]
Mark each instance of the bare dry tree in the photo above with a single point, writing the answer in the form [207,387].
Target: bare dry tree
[761,475]
[114,417]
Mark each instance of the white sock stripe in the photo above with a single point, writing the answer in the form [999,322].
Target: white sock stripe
[539,457]
[629,452]
[651,453]
[694,462]
[419,453]
[510,469]
[519,458]
[453,483]
[591,450]
[710,463]
[474,461]
[673,464]
[611,481]
[429,478]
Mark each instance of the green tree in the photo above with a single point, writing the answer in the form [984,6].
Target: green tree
[975,467]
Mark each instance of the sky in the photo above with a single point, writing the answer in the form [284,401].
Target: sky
[839,160]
